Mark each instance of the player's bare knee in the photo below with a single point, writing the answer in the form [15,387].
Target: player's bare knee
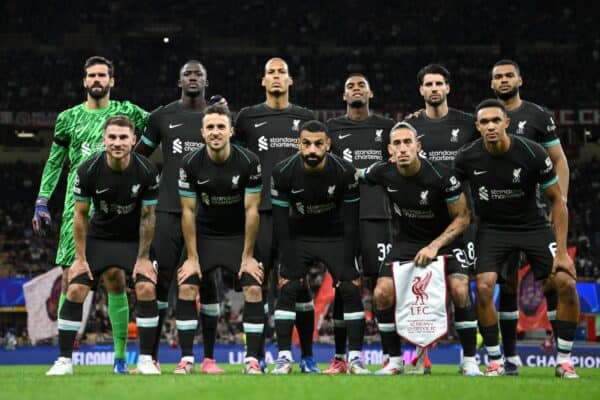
[114,280]
[459,291]
[77,292]
[145,291]
[252,293]
[384,293]
[566,286]
[188,292]
[485,291]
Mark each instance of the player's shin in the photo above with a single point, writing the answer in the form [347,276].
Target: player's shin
[253,327]
[508,316]
[186,320]
[339,327]
[490,339]
[69,322]
[118,312]
[305,321]
[354,317]
[162,315]
[466,326]
[285,314]
[209,317]
[147,322]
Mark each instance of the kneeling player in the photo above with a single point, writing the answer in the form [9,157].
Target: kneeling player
[123,188]
[315,198]
[223,182]
[430,213]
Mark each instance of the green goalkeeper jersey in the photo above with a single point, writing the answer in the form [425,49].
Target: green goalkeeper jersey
[77,135]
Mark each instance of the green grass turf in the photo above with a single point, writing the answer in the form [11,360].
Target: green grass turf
[97,382]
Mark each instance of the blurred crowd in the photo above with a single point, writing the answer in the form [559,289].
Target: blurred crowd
[556,46]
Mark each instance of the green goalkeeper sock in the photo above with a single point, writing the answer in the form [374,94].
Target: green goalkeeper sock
[118,312]
[61,301]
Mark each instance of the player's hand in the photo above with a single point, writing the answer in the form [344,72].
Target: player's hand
[253,268]
[414,114]
[190,267]
[145,267]
[41,217]
[426,255]
[79,267]
[563,262]
[218,99]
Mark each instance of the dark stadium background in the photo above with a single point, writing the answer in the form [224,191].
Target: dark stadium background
[43,46]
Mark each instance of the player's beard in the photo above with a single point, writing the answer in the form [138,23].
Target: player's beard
[358,103]
[313,162]
[97,95]
[507,95]
[277,93]
[436,103]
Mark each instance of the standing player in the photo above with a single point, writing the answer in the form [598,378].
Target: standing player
[176,127]
[444,130]
[123,188]
[223,182]
[77,135]
[535,123]
[430,214]
[360,138]
[504,172]
[315,209]
[270,130]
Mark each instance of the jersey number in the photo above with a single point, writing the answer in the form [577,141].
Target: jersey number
[383,249]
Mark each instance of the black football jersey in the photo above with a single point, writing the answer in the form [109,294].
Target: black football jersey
[504,187]
[270,134]
[219,189]
[117,196]
[315,199]
[419,204]
[441,138]
[362,143]
[533,122]
[178,131]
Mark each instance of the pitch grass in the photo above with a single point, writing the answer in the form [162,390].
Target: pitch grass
[97,382]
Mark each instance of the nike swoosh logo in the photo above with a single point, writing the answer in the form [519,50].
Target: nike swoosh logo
[259,124]
[344,136]
[389,189]
[171,126]
[203,182]
[101,191]
[296,191]
[479,172]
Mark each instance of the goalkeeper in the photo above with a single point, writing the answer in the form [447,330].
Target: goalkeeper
[77,135]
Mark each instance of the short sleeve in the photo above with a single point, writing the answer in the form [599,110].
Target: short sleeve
[150,197]
[452,188]
[351,189]
[255,178]
[151,135]
[81,188]
[279,196]
[547,175]
[186,186]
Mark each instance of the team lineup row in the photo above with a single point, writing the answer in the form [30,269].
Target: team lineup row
[212,201]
